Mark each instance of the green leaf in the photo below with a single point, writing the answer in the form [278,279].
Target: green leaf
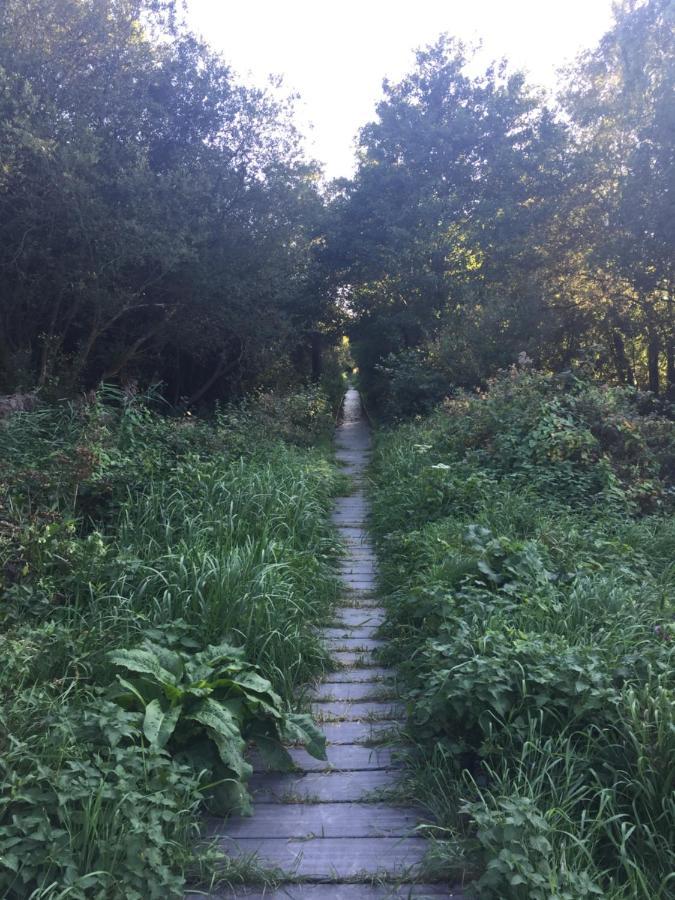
[218,717]
[133,691]
[274,754]
[159,724]
[299,728]
[231,752]
[146,662]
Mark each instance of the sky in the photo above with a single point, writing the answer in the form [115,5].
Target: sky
[335,55]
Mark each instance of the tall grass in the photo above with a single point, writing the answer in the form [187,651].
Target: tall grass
[527,541]
[116,525]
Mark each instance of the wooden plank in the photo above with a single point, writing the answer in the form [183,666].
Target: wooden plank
[350,632]
[319,819]
[329,859]
[355,600]
[359,583]
[354,644]
[358,711]
[361,552]
[341,891]
[315,787]
[360,732]
[350,658]
[354,675]
[354,533]
[358,617]
[354,690]
[341,757]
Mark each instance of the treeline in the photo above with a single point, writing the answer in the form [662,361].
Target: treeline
[159,222]
[485,222]
[156,215]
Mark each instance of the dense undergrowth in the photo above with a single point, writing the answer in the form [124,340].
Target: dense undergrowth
[160,578]
[528,550]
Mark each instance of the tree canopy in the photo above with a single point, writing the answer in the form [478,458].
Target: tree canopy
[160,222]
[156,215]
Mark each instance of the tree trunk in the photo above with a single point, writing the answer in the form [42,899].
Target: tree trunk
[317,360]
[653,348]
[624,370]
[218,372]
[670,344]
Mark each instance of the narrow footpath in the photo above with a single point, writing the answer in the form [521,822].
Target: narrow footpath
[329,824]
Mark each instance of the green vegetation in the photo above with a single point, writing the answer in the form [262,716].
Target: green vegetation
[160,580]
[160,222]
[486,218]
[157,216]
[527,540]
[160,574]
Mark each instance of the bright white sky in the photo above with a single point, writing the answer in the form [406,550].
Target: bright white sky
[335,55]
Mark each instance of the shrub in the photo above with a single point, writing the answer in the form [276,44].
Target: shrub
[527,541]
[205,546]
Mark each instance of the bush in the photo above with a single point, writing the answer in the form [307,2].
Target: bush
[204,551]
[527,544]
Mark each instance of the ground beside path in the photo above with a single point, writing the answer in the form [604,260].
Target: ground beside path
[329,824]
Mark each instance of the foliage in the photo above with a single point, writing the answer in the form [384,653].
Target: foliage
[149,202]
[487,220]
[202,550]
[87,805]
[205,707]
[527,540]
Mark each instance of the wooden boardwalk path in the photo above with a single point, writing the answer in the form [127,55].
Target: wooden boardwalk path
[324,823]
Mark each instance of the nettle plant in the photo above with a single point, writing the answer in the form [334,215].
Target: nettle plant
[205,707]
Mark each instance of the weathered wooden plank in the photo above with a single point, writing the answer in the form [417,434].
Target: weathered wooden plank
[375,610]
[360,732]
[358,617]
[351,632]
[329,859]
[350,658]
[354,690]
[356,600]
[341,757]
[357,560]
[362,551]
[342,891]
[360,675]
[315,787]
[359,583]
[353,644]
[354,533]
[348,518]
[294,820]
[367,710]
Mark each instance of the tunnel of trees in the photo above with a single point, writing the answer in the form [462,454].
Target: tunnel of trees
[160,223]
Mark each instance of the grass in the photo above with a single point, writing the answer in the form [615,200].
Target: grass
[527,543]
[119,525]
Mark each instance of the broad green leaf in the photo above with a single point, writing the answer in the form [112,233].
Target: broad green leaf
[143,661]
[231,752]
[170,660]
[159,724]
[274,754]
[218,717]
[133,692]
[299,728]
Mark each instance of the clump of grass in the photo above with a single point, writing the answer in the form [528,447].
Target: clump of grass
[527,538]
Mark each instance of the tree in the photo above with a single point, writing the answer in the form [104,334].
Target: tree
[441,232]
[157,217]
[621,98]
